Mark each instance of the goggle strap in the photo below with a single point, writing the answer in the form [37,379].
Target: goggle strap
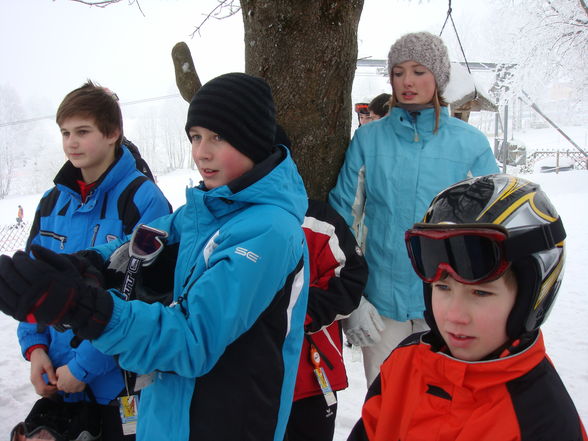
[533,241]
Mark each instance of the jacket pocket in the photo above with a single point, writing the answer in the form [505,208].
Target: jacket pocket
[62,239]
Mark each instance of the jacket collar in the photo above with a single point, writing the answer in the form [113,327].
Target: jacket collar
[123,164]
[421,122]
[478,375]
[274,181]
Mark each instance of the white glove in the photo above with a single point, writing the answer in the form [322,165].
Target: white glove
[363,326]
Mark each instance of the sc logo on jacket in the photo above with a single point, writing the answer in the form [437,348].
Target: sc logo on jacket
[248,254]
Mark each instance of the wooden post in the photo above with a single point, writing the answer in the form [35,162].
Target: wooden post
[496,124]
[505,140]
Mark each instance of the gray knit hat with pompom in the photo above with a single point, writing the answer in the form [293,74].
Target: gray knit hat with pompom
[426,49]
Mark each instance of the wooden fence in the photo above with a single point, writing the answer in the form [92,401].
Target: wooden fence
[580,160]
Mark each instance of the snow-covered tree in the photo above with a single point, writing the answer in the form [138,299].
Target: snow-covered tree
[541,41]
[10,111]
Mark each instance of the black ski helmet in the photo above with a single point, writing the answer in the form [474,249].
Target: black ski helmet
[524,210]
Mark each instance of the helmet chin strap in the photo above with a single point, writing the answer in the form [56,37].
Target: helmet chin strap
[526,273]
[429,317]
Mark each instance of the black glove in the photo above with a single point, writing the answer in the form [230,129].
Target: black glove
[50,290]
[89,265]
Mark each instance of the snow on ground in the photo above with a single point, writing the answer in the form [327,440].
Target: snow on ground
[549,139]
[565,330]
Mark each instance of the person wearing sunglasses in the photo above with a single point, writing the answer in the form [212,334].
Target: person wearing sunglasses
[363,114]
[490,252]
[392,169]
[224,353]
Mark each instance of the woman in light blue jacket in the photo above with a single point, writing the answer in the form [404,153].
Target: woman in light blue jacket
[393,168]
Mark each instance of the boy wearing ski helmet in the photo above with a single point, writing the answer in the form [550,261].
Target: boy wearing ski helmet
[491,252]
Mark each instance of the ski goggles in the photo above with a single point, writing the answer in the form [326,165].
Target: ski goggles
[43,433]
[471,254]
[146,243]
[362,108]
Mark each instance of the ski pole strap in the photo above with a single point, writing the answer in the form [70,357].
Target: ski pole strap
[131,273]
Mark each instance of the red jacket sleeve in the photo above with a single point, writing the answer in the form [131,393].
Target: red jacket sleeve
[338,270]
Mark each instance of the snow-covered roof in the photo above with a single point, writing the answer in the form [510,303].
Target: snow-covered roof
[463,88]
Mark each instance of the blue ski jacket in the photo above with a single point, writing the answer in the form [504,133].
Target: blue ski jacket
[122,198]
[393,168]
[225,352]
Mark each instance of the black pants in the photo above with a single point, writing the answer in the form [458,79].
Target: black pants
[112,426]
[311,420]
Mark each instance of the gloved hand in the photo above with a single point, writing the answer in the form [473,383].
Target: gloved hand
[88,263]
[363,326]
[50,290]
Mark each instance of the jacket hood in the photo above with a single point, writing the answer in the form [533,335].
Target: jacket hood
[274,181]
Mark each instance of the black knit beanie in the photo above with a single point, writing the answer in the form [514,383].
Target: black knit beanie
[240,108]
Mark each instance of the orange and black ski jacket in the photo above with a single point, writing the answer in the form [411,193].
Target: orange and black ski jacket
[426,395]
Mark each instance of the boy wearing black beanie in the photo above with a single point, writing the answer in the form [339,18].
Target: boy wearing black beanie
[225,352]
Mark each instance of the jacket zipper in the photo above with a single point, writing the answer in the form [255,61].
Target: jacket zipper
[414,119]
[94,235]
[61,239]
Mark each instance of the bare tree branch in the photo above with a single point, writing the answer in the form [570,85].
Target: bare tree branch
[224,9]
[105,3]
[584,6]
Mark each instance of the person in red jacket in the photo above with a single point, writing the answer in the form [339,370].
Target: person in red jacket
[338,274]
[490,252]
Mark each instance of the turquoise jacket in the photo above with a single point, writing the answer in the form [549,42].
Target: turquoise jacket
[393,168]
[226,351]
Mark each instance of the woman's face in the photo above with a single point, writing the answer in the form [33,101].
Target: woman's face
[413,83]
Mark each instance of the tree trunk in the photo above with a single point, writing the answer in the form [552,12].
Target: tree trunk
[307,51]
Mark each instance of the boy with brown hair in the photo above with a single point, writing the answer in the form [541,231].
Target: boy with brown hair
[490,251]
[99,196]
[225,351]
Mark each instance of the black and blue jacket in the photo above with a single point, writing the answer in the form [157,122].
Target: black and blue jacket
[226,351]
[122,198]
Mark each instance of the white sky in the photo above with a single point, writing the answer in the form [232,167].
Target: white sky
[50,47]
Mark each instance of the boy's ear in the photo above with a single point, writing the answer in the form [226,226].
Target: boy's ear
[114,136]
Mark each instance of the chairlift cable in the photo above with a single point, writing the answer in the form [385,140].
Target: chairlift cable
[128,103]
